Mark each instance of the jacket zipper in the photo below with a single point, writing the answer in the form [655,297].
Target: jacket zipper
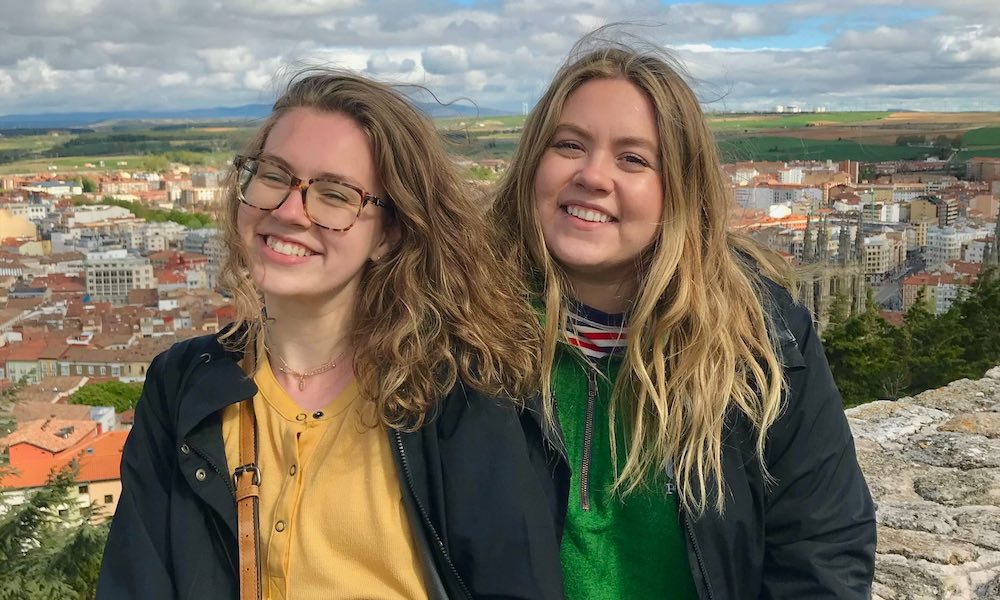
[697,552]
[232,489]
[424,516]
[225,476]
[588,439]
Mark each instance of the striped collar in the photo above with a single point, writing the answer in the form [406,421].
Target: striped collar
[596,333]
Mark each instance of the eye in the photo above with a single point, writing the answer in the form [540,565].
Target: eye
[568,147]
[332,196]
[634,162]
[269,174]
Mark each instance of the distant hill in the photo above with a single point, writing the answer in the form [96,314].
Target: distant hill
[236,113]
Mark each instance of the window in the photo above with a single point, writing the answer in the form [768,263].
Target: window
[90,369]
[108,498]
[83,489]
[63,512]
[104,370]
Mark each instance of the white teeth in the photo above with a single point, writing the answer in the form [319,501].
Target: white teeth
[587,215]
[287,248]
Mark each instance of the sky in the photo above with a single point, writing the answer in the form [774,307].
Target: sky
[98,55]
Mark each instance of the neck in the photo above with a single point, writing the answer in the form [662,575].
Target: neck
[610,295]
[307,336]
[303,339]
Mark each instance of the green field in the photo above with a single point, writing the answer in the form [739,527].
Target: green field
[984,136]
[790,120]
[974,152]
[749,136]
[148,148]
[146,162]
[788,148]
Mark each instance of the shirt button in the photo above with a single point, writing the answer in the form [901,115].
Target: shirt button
[279,526]
[200,474]
[318,414]
[292,470]
[300,417]
[185,449]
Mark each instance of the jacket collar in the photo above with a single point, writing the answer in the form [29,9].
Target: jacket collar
[212,381]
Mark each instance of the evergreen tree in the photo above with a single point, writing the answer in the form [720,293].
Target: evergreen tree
[978,318]
[863,355]
[49,549]
[932,348]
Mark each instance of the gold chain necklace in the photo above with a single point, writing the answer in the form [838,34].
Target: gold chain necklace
[284,368]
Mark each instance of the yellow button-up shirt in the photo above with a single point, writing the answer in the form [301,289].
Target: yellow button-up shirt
[332,519]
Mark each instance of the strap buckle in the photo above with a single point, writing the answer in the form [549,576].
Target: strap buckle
[247,468]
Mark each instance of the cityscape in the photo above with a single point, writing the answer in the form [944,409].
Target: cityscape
[861,142]
[97,282]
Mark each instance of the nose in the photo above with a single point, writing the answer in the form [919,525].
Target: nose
[595,173]
[293,209]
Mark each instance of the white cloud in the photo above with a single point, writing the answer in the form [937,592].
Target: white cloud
[290,8]
[239,58]
[975,43]
[172,79]
[444,60]
[381,64]
[228,52]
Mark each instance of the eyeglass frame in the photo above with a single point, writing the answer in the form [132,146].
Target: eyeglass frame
[302,185]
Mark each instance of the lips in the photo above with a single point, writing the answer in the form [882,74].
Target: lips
[287,247]
[587,214]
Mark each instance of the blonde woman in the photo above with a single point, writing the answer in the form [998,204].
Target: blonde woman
[379,344]
[709,451]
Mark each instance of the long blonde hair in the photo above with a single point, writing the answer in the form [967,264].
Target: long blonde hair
[439,306]
[698,333]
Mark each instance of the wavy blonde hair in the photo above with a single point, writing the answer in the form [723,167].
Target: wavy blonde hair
[699,342]
[439,306]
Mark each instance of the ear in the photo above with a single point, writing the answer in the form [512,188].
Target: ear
[390,239]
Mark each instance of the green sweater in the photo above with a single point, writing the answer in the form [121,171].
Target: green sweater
[613,547]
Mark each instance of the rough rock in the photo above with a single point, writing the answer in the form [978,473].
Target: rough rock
[986,423]
[932,463]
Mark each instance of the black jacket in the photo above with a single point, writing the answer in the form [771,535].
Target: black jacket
[478,480]
[811,532]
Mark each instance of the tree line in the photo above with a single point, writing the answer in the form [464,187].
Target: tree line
[874,360]
[191,220]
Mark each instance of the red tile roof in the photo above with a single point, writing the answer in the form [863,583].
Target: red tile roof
[97,459]
[53,435]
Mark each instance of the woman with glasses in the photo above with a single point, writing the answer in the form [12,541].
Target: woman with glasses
[380,355]
[709,450]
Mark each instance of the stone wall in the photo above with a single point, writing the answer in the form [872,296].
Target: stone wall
[933,465]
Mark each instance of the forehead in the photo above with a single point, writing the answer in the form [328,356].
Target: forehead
[315,143]
[616,105]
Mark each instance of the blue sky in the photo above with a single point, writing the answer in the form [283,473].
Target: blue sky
[69,55]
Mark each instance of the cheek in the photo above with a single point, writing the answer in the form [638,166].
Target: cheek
[646,203]
[246,221]
[546,182]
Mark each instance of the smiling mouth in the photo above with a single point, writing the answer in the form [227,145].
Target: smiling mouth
[287,248]
[585,214]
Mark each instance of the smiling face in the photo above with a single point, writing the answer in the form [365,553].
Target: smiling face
[290,257]
[598,190]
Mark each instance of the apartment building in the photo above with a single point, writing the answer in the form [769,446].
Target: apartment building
[946,243]
[110,275]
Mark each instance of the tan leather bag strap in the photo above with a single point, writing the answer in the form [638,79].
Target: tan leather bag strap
[247,479]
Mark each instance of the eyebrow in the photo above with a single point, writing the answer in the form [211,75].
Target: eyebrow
[324,175]
[644,142]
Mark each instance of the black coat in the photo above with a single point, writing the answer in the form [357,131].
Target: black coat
[811,532]
[479,480]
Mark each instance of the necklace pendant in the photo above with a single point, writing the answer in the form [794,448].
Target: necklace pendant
[302,384]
